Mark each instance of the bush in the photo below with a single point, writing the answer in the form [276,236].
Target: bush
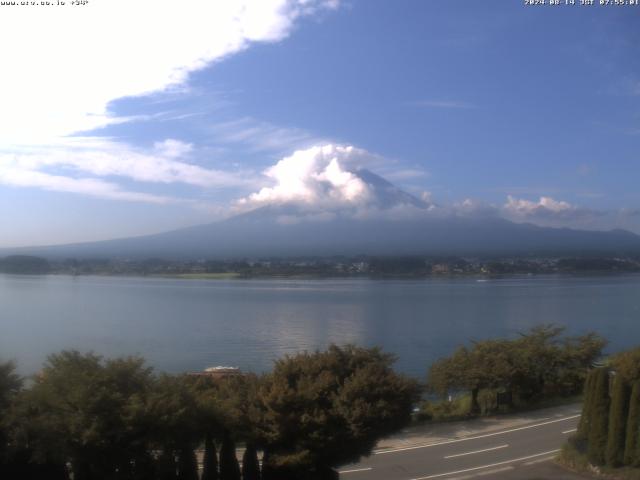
[618,422]
[573,455]
[632,444]
[599,418]
[445,410]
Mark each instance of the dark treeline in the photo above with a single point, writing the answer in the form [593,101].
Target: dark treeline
[609,429]
[24,264]
[372,266]
[540,364]
[91,418]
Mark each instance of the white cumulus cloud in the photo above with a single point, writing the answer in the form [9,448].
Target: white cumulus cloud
[317,176]
[546,208]
[527,207]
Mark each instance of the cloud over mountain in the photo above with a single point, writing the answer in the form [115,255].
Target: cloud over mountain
[331,178]
[546,208]
[317,176]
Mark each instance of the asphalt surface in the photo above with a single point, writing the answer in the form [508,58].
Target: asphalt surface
[522,452]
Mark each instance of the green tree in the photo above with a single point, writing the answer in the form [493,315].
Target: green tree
[538,363]
[627,364]
[548,364]
[618,415]
[187,464]
[268,471]
[450,374]
[632,442]
[324,409]
[145,467]
[10,386]
[578,355]
[79,410]
[173,417]
[583,424]
[598,418]
[250,464]
[537,360]
[489,364]
[210,460]
[229,467]
[167,467]
[24,264]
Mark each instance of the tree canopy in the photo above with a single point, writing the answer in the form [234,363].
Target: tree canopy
[325,409]
[538,363]
[113,419]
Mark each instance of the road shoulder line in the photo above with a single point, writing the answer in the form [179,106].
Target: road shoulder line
[482,467]
[477,451]
[486,435]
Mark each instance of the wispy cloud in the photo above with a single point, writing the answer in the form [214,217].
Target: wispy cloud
[261,136]
[164,163]
[20,177]
[80,165]
[585,169]
[405,174]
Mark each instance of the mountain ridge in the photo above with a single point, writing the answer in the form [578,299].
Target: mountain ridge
[241,237]
[388,221]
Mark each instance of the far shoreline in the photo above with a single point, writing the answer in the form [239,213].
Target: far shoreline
[227,276]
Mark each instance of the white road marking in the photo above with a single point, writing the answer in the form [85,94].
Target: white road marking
[541,460]
[487,466]
[477,451]
[495,470]
[570,431]
[483,474]
[355,470]
[486,435]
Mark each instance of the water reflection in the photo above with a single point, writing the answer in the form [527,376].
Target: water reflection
[184,325]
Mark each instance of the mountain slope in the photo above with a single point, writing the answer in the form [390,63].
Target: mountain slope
[379,227]
[259,234]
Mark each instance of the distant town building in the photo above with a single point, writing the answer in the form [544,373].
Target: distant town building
[440,268]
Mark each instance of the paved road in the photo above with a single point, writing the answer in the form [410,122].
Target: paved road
[523,452]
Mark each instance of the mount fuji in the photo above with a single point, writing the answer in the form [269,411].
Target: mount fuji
[384,221]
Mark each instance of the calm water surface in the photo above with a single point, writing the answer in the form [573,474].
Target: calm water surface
[188,325]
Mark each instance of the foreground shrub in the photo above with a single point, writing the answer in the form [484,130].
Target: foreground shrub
[324,409]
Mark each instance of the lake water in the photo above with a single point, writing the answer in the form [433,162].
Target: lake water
[183,325]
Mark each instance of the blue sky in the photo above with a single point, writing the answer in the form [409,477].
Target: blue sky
[531,113]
